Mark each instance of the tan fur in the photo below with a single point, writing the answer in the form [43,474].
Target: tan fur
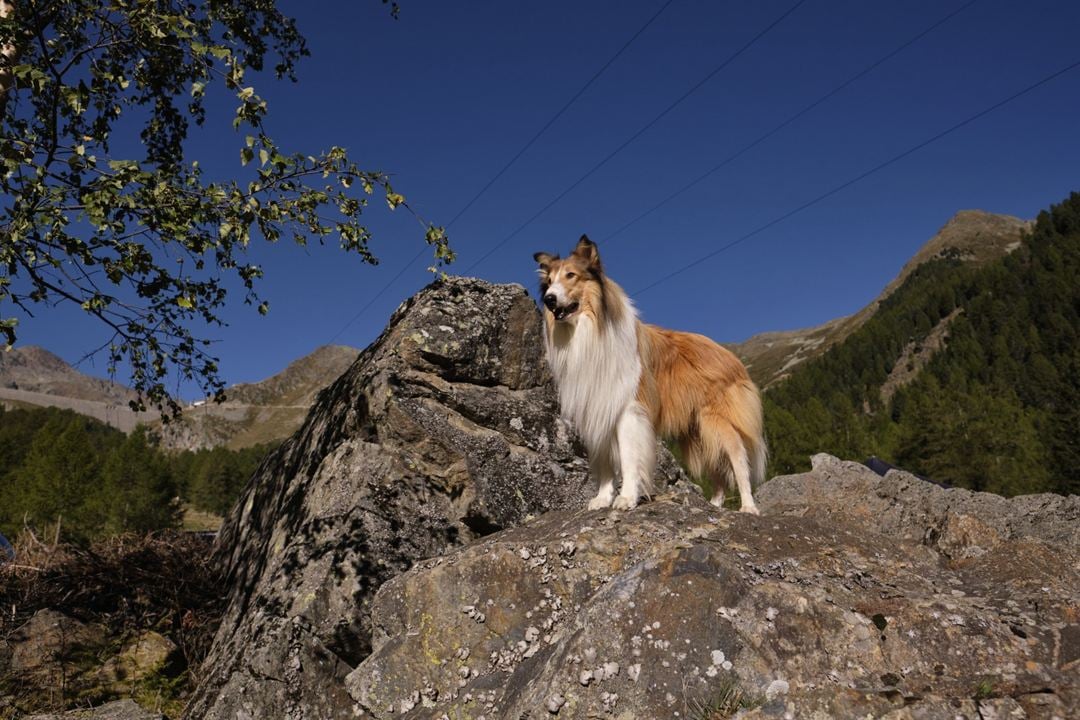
[699,395]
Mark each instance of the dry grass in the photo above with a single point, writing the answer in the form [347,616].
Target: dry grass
[130,584]
[196,520]
[725,701]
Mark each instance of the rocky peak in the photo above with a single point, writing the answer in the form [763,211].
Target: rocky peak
[35,369]
[300,381]
[974,236]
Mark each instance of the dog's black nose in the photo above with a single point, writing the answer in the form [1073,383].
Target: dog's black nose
[551,301]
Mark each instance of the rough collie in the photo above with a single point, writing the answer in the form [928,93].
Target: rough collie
[622,383]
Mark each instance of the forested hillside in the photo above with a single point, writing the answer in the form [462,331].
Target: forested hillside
[61,469]
[968,375]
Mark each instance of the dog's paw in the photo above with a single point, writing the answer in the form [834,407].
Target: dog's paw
[624,503]
[750,509]
[600,502]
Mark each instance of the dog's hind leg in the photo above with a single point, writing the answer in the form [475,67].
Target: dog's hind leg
[603,470]
[637,455]
[720,478]
[723,437]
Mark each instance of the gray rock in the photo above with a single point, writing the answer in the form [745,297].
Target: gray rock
[958,522]
[118,710]
[44,654]
[835,603]
[444,430]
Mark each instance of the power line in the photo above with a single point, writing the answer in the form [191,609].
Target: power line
[551,121]
[739,153]
[857,178]
[636,135]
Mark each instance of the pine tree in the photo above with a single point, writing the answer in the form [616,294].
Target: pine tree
[60,472]
[138,491]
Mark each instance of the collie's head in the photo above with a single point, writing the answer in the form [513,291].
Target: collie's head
[574,285]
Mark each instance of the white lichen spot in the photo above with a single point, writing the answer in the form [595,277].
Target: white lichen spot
[555,703]
[776,689]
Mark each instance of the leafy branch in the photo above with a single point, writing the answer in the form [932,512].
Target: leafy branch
[147,245]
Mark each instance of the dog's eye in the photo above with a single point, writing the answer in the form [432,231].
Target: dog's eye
[571,275]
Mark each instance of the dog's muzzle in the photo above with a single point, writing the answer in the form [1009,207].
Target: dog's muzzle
[560,312]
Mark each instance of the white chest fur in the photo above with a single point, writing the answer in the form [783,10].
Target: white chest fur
[597,374]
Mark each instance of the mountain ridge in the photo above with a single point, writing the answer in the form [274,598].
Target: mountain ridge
[253,413]
[968,373]
[971,236]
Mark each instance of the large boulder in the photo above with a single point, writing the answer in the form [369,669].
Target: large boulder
[444,430]
[852,596]
[45,661]
[57,661]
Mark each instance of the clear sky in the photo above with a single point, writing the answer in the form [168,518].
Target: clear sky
[447,94]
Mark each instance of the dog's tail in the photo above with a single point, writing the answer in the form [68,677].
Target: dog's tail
[749,420]
[759,459]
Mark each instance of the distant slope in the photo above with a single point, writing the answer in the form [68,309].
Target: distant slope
[261,412]
[968,372]
[971,236]
[254,412]
[32,376]
[37,370]
[300,381]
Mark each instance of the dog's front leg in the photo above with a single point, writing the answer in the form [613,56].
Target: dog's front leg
[604,472]
[637,455]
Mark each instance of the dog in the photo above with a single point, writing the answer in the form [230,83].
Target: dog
[622,383]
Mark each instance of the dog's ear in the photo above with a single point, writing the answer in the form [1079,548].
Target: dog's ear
[586,250]
[544,260]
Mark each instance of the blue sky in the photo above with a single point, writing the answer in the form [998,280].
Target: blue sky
[445,95]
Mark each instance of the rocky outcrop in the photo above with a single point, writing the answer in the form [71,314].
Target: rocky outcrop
[445,429]
[852,596]
[116,710]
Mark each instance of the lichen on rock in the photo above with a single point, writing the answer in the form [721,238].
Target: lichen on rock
[803,612]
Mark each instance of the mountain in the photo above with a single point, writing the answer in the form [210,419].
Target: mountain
[35,369]
[967,371]
[254,413]
[261,412]
[300,381]
[973,237]
[33,376]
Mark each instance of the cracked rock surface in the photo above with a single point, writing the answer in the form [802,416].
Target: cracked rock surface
[851,596]
[445,429]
